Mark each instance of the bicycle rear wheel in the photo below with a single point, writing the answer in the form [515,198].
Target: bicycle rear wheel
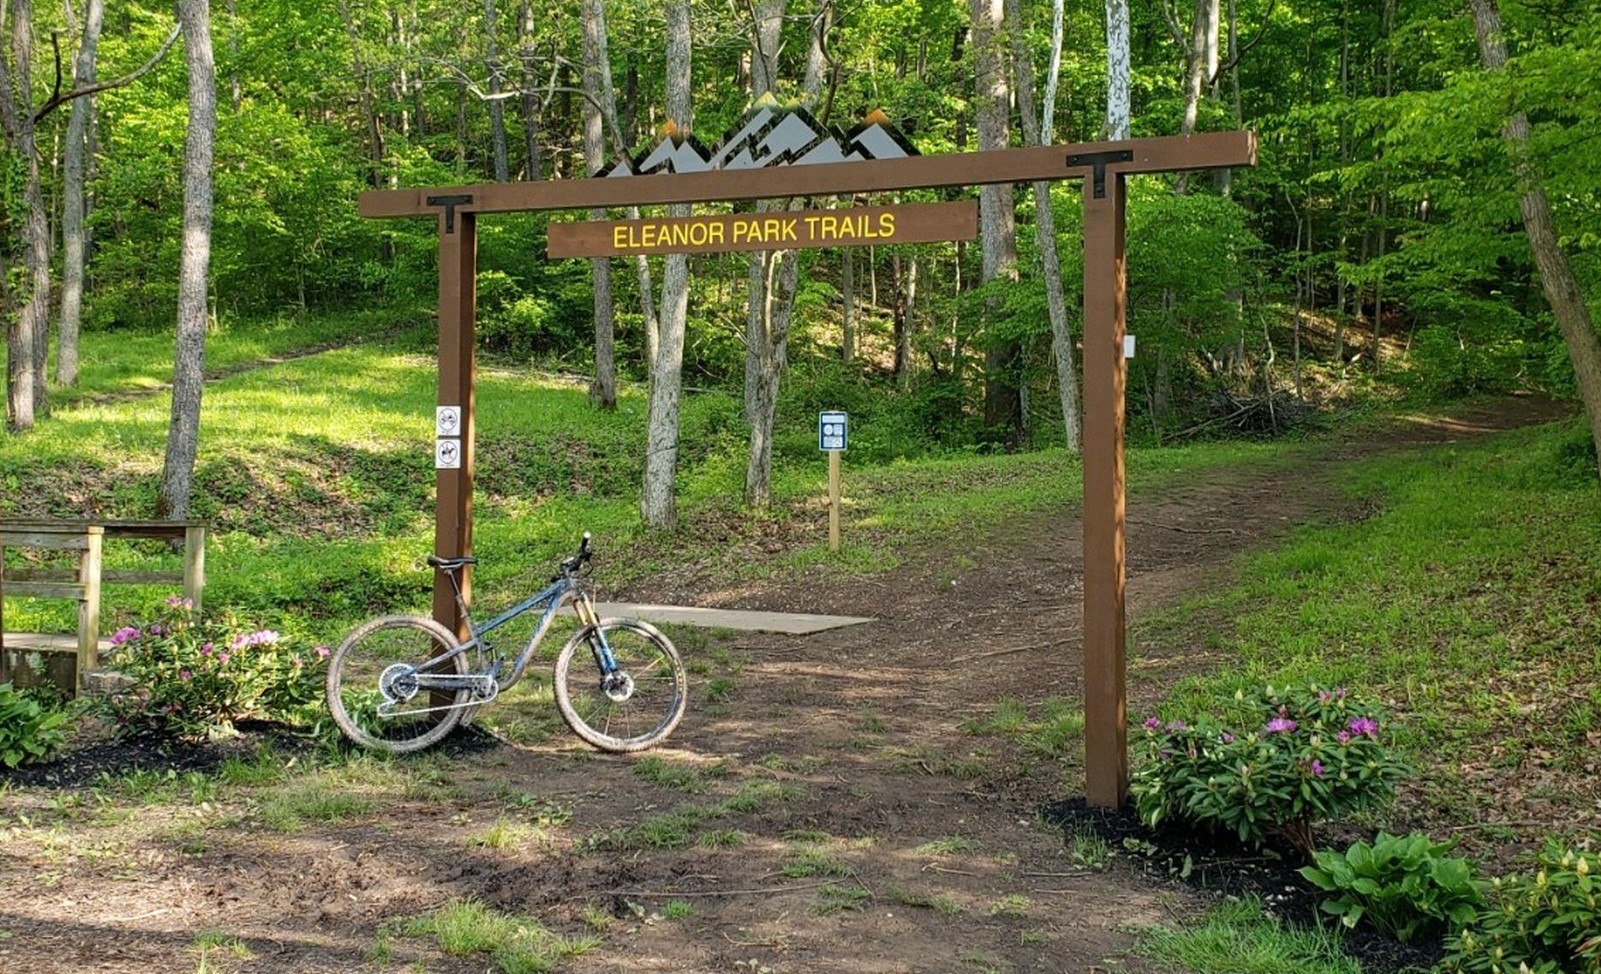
[632,709]
[383,684]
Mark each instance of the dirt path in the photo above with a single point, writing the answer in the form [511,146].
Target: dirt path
[854,801]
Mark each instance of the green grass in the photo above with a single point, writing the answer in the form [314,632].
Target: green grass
[1472,587]
[1235,938]
[517,944]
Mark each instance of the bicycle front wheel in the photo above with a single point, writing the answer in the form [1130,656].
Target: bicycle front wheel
[632,708]
[389,690]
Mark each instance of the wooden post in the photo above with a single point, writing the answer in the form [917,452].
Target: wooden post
[1105,707]
[89,607]
[458,301]
[194,563]
[833,500]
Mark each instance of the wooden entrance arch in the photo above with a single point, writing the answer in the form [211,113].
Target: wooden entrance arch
[1101,165]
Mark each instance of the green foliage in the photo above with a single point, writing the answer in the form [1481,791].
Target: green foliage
[1545,923]
[194,679]
[1404,885]
[1237,938]
[1277,762]
[30,730]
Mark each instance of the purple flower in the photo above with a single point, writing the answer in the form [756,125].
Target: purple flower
[1175,725]
[1323,696]
[1343,738]
[124,634]
[1228,738]
[1152,723]
[322,652]
[222,658]
[207,649]
[158,630]
[1280,725]
[186,675]
[1364,725]
[179,602]
[1317,768]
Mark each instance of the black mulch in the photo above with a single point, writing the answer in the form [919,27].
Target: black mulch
[93,762]
[1221,866]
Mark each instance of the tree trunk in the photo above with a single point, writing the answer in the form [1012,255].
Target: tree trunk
[658,505]
[1044,217]
[27,334]
[1003,406]
[1118,90]
[529,95]
[73,243]
[371,125]
[597,75]
[847,294]
[1556,272]
[188,373]
[497,105]
[774,276]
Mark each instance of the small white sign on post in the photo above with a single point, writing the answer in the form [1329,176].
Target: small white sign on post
[447,421]
[831,430]
[447,454]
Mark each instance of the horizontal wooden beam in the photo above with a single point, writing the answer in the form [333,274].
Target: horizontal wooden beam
[1209,150]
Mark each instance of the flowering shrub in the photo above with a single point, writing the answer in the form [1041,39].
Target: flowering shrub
[1547,923]
[194,678]
[1288,760]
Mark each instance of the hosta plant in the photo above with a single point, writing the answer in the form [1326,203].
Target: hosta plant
[1404,885]
[29,729]
[194,678]
[1280,761]
[1544,922]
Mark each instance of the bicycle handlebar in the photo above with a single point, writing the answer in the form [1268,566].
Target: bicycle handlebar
[571,565]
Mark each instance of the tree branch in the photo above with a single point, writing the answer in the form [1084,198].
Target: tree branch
[59,99]
[1239,55]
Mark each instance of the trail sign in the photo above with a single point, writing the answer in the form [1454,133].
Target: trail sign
[831,430]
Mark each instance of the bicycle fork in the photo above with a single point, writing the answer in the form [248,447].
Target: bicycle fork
[615,682]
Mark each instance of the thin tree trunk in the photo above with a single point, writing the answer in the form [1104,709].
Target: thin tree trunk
[371,126]
[1118,90]
[188,374]
[658,504]
[27,333]
[497,105]
[1556,272]
[528,96]
[1038,133]
[997,231]
[74,244]
[597,74]
[847,289]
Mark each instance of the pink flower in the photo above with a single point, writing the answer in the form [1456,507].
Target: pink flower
[1280,725]
[124,634]
[322,652]
[1343,737]
[1151,723]
[1317,768]
[1228,738]
[261,637]
[1364,725]
[186,675]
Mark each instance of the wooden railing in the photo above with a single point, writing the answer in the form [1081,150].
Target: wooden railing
[84,541]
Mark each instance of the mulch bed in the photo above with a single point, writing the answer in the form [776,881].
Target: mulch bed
[1220,866]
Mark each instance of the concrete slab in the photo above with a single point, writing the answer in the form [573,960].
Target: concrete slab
[792,623]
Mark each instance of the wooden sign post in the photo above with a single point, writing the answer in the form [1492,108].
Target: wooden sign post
[849,166]
[832,430]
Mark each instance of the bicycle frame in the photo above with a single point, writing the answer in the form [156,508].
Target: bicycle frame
[562,591]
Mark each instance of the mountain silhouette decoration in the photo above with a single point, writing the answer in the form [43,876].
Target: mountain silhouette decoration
[771,136]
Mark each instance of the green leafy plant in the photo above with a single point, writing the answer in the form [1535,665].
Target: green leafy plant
[194,678]
[1404,885]
[29,730]
[1288,759]
[1545,923]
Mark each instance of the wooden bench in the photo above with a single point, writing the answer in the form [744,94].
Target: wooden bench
[84,541]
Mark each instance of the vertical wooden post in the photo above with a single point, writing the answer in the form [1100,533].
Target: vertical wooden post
[458,302]
[833,500]
[194,563]
[1105,708]
[89,608]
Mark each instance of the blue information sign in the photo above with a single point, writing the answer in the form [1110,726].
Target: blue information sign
[831,431]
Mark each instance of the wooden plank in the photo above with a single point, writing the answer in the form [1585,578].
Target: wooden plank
[38,536]
[73,591]
[194,562]
[1205,150]
[142,578]
[89,608]
[41,575]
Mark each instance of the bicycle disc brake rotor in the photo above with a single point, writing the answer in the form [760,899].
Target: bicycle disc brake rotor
[617,687]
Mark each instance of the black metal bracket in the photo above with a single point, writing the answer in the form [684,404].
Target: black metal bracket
[450,203]
[1099,160]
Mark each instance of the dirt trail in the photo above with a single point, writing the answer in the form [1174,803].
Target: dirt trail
[825,807]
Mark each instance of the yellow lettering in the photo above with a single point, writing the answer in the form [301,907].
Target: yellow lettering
[772,229]
[716,235]
[886,224]
[830,226]
[619,237]
[847,227]
[811,228]
[789,228]
[741,230]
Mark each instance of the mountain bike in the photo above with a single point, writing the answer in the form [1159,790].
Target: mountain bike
[400,683]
